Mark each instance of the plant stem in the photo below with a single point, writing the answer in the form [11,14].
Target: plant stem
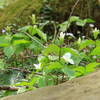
[34,39]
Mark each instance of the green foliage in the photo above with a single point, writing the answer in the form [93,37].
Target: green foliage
[74,19]
[48,61]
[96,51]
[96,33]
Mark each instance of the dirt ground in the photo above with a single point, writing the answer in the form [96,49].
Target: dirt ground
[84,88]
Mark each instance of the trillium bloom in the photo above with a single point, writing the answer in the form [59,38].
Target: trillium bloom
[96,30]
[70,34]
[67,58]
[62,35]
[96,33]
[37,66]
[3,30]
[91,25]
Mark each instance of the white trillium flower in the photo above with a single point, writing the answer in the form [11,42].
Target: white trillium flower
[3,30]
[67,58]
[96,30]
[70,34]
[37,66]
[62,35]
[91,25]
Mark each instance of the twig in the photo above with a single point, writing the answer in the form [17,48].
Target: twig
[74,8]
[21,70]
[9,88]
[24,71]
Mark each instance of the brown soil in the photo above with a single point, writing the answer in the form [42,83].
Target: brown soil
[84,88]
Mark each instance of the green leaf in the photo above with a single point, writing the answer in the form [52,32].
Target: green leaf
[73,19]
[45,81]
[83,22]
[20,36]
[50,80]
[42,81]
[33,81]
[22,41]
[19,49]
[69,72]
[91,67]
[36,30]
[24,83]
[88,20]
[35,47]
[54,65]
[32,30]
[4,41]
[80,23]
[52,49]
[70,50]
[9,51]
[77,59]
[79,71]
[98,43]
[24,29]
[95,51]
[64,26]
[2,64]
[41,34]
[86,43]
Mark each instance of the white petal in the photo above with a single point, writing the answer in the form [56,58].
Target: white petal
[71,61]
[67,56]
[37,66]
[62,35]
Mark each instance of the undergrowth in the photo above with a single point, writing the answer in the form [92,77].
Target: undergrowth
[38,60]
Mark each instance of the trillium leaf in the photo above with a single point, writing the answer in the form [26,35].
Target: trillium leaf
[96,51]
[9,51]
[69,72]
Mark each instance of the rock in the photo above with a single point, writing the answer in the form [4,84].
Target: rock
[84,88]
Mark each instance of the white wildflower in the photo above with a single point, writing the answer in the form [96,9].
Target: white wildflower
[70,34]
[62,35]
[67,58]
[37,66]
[3,31]
[91,25]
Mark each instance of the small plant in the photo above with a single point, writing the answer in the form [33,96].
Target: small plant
[48,61]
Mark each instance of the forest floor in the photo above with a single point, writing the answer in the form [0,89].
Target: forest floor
[84,88]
